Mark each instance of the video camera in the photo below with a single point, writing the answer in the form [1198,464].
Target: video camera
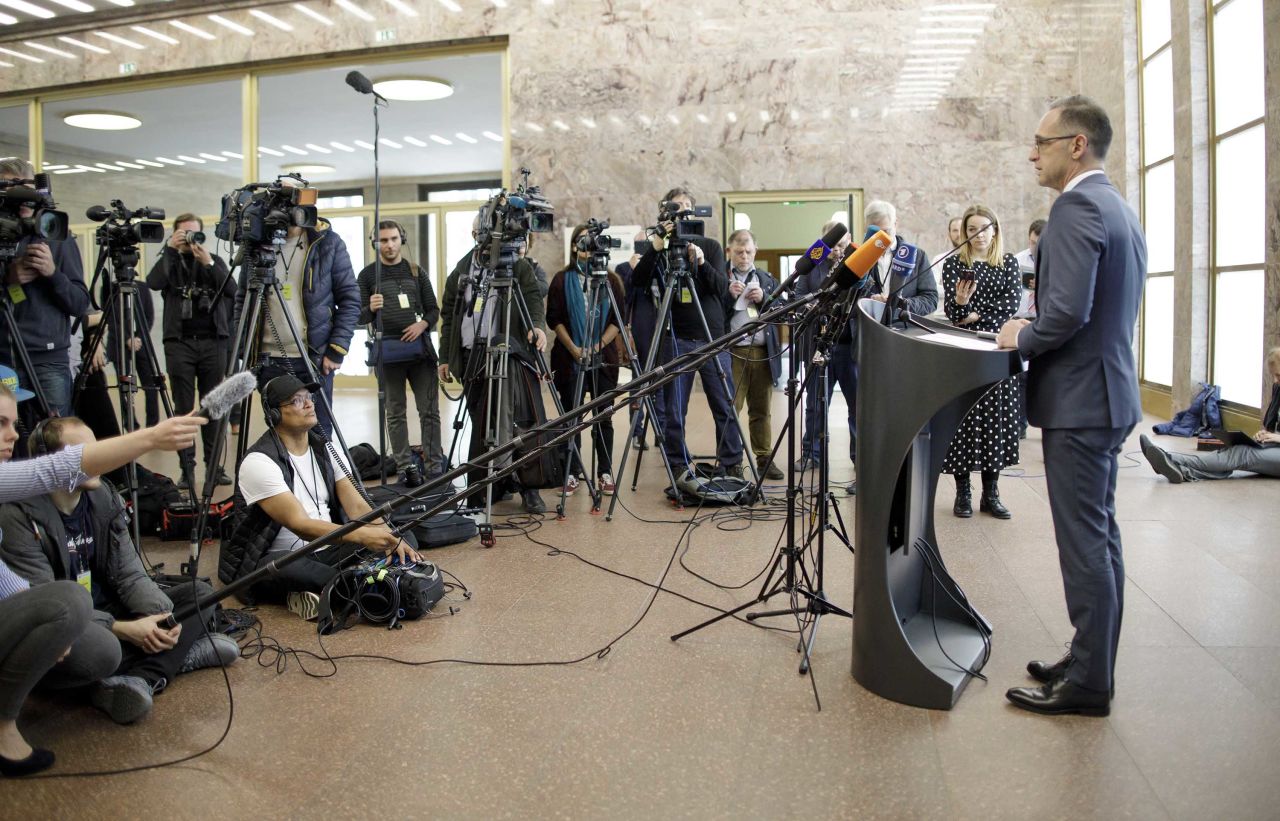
[595,241]
[684,228]
[263,212]
[506,220]
[122,228]
[44,223]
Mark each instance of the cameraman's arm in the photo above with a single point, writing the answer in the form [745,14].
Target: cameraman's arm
[67,279]
[158,277]
[365,284]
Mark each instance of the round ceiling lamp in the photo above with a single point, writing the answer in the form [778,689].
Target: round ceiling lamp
[101,120]
[415,89]
[308,168]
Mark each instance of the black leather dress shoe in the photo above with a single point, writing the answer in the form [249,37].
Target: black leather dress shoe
[1047,671]
[1060,697]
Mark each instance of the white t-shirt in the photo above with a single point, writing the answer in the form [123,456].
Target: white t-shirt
[261,478]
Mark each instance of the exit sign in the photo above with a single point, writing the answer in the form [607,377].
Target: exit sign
[128,68]
[384,35]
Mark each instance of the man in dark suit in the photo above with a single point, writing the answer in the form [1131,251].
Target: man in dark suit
[1082,389]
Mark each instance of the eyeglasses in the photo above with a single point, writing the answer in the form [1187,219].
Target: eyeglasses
[1041,142]
[300,401]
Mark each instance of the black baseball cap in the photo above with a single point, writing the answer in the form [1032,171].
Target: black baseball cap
[279,390]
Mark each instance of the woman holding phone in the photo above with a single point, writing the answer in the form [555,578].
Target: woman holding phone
[983,288]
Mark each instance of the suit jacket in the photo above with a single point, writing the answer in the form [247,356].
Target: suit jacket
[1090,268]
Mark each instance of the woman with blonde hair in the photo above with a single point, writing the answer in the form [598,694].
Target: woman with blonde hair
[983,288]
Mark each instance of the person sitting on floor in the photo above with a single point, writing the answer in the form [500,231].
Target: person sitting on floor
[286,488]
[82,535]
[1264,459]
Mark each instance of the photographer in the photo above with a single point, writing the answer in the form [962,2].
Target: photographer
[708,284]
[45,283]
[198,300]
[409,312]
[464,337]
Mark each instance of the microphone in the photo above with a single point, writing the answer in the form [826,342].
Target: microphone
[98,213]
[817,252]
[227,394]
[858,263]
[362,84]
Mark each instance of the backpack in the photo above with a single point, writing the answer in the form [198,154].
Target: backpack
[1202,416]
[156,494]
[364,458]
[528,411]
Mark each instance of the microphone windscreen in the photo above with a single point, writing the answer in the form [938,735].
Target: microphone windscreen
[233,390]
[871,231]
[859,262]
[97,213]
[359,82]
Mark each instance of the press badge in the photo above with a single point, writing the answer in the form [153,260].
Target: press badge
[404,301]
[752,312]
[288,292]
[16,294]
[85,579]
[686,296]
[478,307]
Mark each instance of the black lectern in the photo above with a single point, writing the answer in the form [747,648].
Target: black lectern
[915,636]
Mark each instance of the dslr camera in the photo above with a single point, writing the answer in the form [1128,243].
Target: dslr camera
[43,223]
[261,213]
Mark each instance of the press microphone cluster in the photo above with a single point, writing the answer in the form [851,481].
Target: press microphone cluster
[817,252]
[858,262]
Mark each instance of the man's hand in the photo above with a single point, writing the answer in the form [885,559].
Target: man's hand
[538,338]
[879,298]
[177,239]
[376,537]
[202,255]
[696,257]
[964,291]
[39,259]
[147,633]
[20,273]
[414,331]
[635,260]
[98,361]
[136,344]
[755,294]
[1007,339]
[176,432]
[375,302]
[1266,437]
[328,366]
[405,553]
[443,372]
[735,288]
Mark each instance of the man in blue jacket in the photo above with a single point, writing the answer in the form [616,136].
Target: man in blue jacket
[1082,390]
[321,294]
[45,283]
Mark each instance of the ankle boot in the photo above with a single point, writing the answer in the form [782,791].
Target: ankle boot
[991,496]
[964,497]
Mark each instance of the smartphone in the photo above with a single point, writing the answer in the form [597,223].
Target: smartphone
[967,275]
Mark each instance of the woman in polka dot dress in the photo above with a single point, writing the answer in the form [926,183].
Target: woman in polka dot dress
[983,288]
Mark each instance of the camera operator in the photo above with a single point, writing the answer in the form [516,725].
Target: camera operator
[409,311]
[708,285]
[49,277]
[198,300]
[463,339]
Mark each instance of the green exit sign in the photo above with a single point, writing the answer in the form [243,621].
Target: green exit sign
[128,68]
[384,35]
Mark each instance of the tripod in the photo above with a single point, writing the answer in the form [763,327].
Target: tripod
[120,310]
[17,348]
[679,281]
[788,573]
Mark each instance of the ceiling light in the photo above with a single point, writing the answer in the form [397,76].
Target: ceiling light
[389,143]
[438,139]
[86,46]
[672,118]
[415,141]
[945,29]
[108,166]
[467,138]
[271,21]
[7,20]
[49,49]
[294,150]
[155,35]
[615,119]
[101,120]
[951,51]
[451,5]
[413,89]
[353,9]
[403,7]
[26,57]
[703,118]
[535,127]
[188,158]
[341,146]
[362,144]
[764,116]
[190,29]
[795,116]
[731,116]
[313,14]
[231,24]
[132,165]
[71,171]
[48,167]
[961,7]
[586,121]
[125,3]
[502,4]
[213,157]
[150,163]
[955,18]
[233,155]
[308,168]
[262,149]
[946,41]
[489,135]
[84,167]
[74,5]
[320,149]
[29,8]
[168,161]
[106,35]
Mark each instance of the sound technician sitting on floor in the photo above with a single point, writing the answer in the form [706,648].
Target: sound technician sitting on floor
[82,535]
[1220,464]
[285,490]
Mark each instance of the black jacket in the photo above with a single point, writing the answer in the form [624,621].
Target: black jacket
[767,284]
[48,306]
[451,309]
[174,272]
[709,281]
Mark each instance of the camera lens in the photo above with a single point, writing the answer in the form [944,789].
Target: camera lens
[195,237]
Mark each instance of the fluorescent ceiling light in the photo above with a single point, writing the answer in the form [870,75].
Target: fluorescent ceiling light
[930,31]
[49,49]
[168,161]
[189,158]
[190,29]
[731,116]
[74,5]
[438,139]
[48,167]
[308,168]
[489,135]
[353,9]
[108,166]
[795,116]
[389,143]
[101,120]
[362,144]
[313,14]
[19,54]
[413,89]
[962,7]
[213,157]
[125,3]
[155,35]
[341,146]
[403,7]
[84,167]
[451,5]
[502,4]
[86,46]
[7,20]
[231,24]
[415,141]
[271,21]
[71,171]
[467,138]
[262,149]
[233,155]
[672,118]
[535,127]
[764,116]
[703,118]
[946,41]
[294,150]
[131,165]
[115,38]
[29,8]
[319,149]
[954,18]
[150,163]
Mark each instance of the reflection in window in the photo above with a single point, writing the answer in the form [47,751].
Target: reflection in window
[1157,331]
[1237,336]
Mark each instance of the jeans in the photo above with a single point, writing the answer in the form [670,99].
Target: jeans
[728,435]
[36,626]
[421,377]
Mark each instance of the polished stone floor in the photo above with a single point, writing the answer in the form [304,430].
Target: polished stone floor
[719,725]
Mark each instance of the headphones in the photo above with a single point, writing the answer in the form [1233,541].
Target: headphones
[375,237]
[273,415]
[36,442]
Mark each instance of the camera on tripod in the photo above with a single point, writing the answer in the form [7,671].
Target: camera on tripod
[595,241]
[507,219]
[43,223]
[122,228]
[263,212]
[684,227]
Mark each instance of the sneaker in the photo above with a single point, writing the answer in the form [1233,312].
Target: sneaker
[737,471]
[851,489]
[533,501]
[125,698]
[570,485]
[223,479]
[606,484]
[803,464]
[768,469]
[213,650]
[306,604]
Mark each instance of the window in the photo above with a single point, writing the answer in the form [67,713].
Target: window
[1239,199]
[1158,190]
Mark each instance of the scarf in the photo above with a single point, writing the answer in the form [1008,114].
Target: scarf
[576,302]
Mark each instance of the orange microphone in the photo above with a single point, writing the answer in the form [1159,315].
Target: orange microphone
[858,262]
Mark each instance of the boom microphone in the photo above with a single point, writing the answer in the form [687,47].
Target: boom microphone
[359,82]
[817,252]
[858,263]
[229,392]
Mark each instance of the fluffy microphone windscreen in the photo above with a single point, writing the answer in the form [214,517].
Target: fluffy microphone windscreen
[230,392]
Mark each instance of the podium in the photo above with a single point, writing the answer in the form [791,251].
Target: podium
[915,636]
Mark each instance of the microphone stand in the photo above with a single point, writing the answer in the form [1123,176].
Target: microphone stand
[379,371]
